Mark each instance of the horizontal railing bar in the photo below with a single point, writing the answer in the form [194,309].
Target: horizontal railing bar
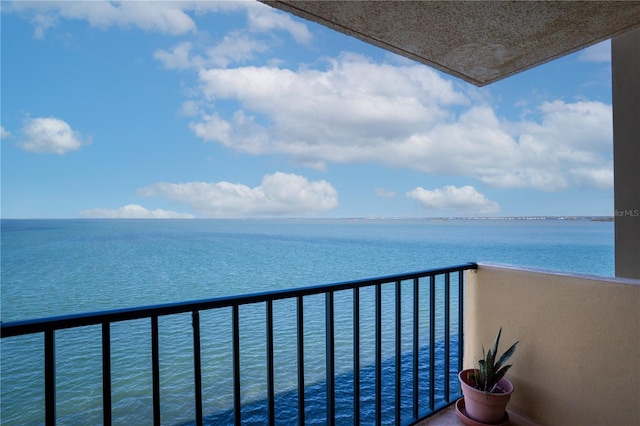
[17,328]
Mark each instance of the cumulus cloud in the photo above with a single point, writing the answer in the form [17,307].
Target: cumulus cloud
[4,133]
[405,116]
[601,178]
[352,111]
[51,135]
[133,211]
[263,18]
[179,57]
[279,194]
[465,200]
[233,48]
[166,17]
[163,17]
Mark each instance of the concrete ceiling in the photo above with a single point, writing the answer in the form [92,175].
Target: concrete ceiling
[478,41]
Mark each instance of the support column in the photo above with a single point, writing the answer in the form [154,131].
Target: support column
[625,66]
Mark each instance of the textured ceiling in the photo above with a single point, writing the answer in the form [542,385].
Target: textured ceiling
[478,41]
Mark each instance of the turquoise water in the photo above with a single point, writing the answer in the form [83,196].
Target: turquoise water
[55,267]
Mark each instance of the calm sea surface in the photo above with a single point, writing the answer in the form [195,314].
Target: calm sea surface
[55,267]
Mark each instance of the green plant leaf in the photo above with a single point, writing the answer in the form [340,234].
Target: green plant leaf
[489,372]
[505,356]
[497,342]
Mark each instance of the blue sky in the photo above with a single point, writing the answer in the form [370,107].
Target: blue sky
[234,109]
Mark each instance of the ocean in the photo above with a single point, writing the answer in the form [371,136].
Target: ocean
[56,267]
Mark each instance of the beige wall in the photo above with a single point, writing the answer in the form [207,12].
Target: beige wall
[578,361]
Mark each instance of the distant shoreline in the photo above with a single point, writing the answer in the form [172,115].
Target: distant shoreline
[430,218]
[444,218]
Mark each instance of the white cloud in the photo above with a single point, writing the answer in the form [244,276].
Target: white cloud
[400,116]
[166,17]
[279,194]
[263,18]
[465,200]
[234,48]
[43,23]
[352,111]
[133,211]
[161,16]
[601,178]
[179,57]
[600,52]
[4,134]
[51,135]
[190,109]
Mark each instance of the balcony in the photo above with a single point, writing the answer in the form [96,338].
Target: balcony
[385,350]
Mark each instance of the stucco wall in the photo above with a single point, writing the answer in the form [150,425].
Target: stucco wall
[578,361]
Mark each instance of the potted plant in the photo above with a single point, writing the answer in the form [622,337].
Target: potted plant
[485,389]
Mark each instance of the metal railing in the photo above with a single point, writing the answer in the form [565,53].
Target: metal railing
[447,325]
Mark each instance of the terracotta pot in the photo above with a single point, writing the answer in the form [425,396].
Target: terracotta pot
[481,407]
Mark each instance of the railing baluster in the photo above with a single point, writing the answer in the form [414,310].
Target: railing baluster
[356,356]
[330,358]
[447,334]
[432,340]
[237,401]
[416,347]
[378,354]
[197,366]
[106,373]
[270,366]
[300,337]
[398,351]
[155,365]
[50,377]
[460,318]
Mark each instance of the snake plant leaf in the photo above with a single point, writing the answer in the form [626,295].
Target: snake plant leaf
[497,342]
[489,372]
[505,356]
[500,374]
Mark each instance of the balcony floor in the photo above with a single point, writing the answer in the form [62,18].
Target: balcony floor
[449,417]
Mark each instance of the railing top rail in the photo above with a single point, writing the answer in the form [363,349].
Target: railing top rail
[17,328]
